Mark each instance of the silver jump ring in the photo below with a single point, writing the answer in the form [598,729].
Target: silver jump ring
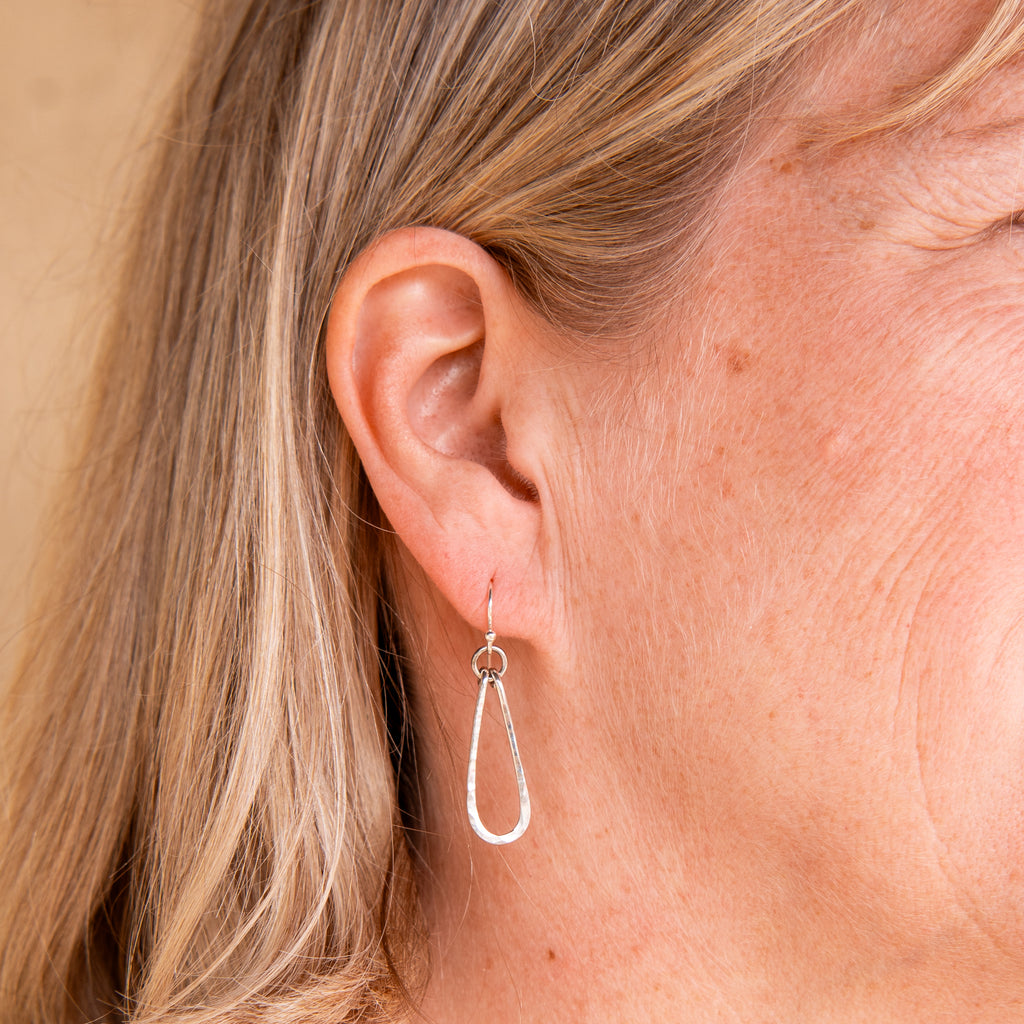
[489,649]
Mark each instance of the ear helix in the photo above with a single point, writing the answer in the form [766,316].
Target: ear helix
[491,676]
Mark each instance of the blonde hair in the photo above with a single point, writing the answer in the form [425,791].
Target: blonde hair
[203,747]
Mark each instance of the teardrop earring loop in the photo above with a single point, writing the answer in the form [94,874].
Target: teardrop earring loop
[489,675]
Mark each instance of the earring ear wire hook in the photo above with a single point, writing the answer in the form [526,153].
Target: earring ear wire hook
[490,636]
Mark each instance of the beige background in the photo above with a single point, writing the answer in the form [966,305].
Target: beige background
[79,83]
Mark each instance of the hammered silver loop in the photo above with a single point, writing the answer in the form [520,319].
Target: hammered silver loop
[489,678]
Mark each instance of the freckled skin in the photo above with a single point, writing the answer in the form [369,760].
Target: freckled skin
[840,536]
[785,778]
[874,524]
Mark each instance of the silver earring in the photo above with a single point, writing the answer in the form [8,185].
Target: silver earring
[489,675]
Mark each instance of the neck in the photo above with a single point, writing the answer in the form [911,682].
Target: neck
[521,935]
[587,917]
[616,908]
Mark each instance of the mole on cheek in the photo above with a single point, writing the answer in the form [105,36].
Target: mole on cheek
[784,164]
[737,361]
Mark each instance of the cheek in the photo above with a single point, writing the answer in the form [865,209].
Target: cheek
[911,438]
[903,497]
[812,541]
[959,473]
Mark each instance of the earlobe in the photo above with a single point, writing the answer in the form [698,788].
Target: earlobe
[422,331]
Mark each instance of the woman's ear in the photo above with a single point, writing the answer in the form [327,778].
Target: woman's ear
[429,360]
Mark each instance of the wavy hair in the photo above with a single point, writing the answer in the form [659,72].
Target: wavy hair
[204,748]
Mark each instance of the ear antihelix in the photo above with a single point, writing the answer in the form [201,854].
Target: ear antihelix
[490,676]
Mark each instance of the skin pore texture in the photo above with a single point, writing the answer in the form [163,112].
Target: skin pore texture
[762,598]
